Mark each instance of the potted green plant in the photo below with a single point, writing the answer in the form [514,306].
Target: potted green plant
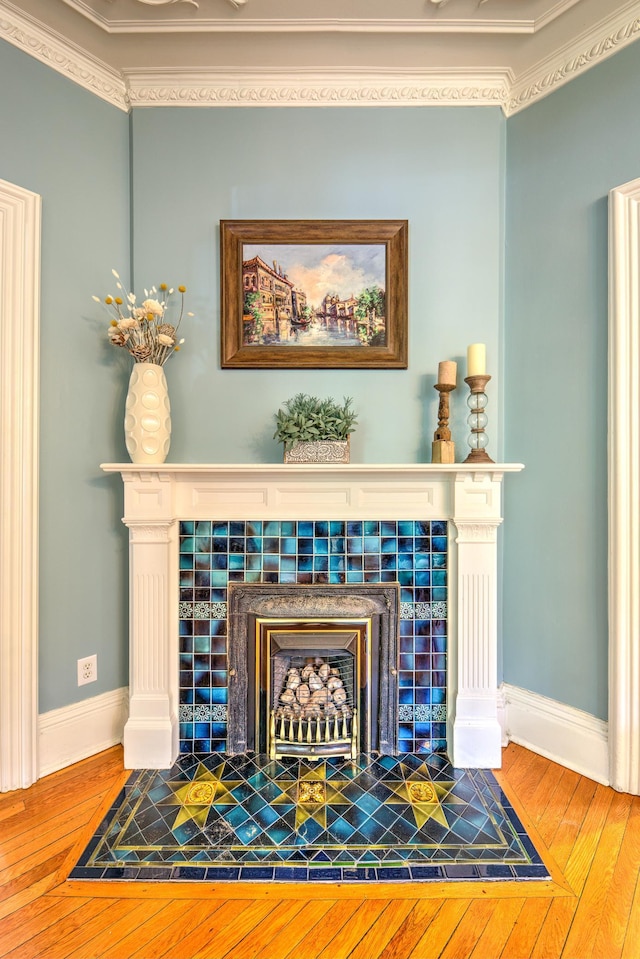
[314,430]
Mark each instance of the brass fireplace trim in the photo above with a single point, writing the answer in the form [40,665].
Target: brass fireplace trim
[359,630]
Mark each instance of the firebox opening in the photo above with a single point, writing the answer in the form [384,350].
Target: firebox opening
[344,638]
[313,697]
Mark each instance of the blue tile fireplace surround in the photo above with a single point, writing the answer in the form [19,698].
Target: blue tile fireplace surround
[214,554]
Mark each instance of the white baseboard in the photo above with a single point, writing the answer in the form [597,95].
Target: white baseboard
[564,734]
[83,729]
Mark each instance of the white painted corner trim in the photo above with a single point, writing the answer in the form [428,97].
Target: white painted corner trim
[83,729]
[624,486]
[562,733]
[19,423]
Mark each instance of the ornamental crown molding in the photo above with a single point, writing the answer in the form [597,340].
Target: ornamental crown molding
[575,58]
[239,86]
[306,88]
[59,53]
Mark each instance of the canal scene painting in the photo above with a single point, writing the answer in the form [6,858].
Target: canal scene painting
[314,295]
[320,294]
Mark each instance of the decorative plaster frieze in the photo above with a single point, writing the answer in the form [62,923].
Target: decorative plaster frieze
[476,532]
[329,88]
[61,55]
[149,533]
[568,63]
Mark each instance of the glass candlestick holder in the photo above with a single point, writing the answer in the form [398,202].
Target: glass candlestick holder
[477,419]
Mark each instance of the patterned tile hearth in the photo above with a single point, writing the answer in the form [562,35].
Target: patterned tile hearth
[378,818]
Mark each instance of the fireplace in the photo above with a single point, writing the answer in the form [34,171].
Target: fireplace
[313,670]
[159,500]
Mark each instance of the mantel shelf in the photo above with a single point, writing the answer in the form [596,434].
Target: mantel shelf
[340,469]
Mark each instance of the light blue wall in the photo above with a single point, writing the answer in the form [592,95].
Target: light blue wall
[564,154]
[442,169]
[70,147]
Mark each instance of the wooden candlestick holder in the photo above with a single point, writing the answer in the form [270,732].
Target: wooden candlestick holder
[443,449]
[477,419]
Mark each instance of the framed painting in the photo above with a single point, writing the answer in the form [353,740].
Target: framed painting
[316,294]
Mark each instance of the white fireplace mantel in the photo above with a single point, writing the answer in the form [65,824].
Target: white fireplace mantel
[156,498]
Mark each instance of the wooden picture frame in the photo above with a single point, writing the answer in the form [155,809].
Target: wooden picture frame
[315,294]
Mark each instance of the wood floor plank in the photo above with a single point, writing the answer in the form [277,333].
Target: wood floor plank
[55,942]
[28,922]
[224,936]
[11,809]
[377,937]
[525,932]
[526,774]
[340,946]
[586,845]
[466,934]
[195,934]
[554,929]
[566,834]
[584,929]
[503,918]
[318,938]
[116,928]
[541,795]
[617,908]
[412,929]
[45,873]
[36,827]
[440,929]
[558,805]
[632,932]
[168,929]
[306,921]
[283,915]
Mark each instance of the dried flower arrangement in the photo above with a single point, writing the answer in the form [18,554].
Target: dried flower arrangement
[142,329]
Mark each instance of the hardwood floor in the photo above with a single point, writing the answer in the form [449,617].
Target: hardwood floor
[588,835]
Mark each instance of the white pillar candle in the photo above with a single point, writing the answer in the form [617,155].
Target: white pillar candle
[447,371]
[476,359]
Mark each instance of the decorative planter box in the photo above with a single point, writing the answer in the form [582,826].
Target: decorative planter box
[325,451]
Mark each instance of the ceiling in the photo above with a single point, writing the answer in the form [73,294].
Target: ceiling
[505,53]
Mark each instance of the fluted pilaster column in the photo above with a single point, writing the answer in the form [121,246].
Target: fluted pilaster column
[151,732]
[475,737]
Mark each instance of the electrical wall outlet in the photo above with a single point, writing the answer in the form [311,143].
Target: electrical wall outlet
[87,670]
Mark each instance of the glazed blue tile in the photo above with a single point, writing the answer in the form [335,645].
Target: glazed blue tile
[288,528]
[337,563]
[305,529]
[305,563]
[354,546]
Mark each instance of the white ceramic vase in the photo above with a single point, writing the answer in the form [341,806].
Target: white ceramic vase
[147,417]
